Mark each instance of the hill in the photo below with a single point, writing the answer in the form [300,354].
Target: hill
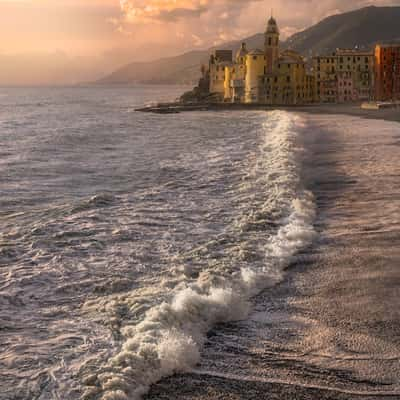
[362,28]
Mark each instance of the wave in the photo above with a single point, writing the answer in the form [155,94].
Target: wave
[169,337]
[98,201]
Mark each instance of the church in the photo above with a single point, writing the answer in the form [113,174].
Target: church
[267,76]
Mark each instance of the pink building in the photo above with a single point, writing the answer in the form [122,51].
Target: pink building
[346,90]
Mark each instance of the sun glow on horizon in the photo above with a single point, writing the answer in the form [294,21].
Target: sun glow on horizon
[109,33]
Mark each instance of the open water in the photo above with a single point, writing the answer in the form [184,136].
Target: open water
[125,237]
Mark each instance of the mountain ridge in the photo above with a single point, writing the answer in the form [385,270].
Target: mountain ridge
[361,28]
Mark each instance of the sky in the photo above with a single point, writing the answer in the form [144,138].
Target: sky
[66,41]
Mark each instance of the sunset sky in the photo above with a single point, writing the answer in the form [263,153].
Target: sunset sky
[71,40]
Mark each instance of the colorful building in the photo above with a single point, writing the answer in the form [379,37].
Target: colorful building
[265,76]
[274,77]
[387,72]
[344,76]
[359,67]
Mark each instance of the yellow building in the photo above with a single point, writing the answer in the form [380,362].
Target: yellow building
[269,76]
[265,76]
[235,75]
[255,70]
[218,61]
[289,83]
[325,78]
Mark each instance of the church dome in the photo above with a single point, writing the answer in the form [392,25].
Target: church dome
[242,52]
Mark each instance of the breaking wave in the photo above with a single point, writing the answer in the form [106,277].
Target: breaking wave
[167,338]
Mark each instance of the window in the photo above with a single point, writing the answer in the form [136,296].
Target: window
[254,57]
[269,41]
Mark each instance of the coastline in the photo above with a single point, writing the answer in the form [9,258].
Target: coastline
[330,329]
[355,110]
[388,114]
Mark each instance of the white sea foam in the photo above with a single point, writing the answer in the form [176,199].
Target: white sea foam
[169,337]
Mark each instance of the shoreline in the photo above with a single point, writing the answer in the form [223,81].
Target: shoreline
[388,114]
[330,329]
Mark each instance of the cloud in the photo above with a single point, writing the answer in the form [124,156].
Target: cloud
[188,24]
[113,33]
[163,10]
[173,10]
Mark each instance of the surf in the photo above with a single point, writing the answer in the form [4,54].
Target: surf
[168,337]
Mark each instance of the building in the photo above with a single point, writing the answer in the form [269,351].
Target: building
[235,75]
[266,76]
[344,76]
[255,70]
[218,61]
[274,77]
[387,72]
[325,78]
[289,83]
[356,68]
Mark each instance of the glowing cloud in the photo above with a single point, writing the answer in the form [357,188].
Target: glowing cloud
[144,10]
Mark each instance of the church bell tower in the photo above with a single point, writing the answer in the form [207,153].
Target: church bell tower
[272,44]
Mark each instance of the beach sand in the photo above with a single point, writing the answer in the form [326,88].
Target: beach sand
[388,114]
[331,329]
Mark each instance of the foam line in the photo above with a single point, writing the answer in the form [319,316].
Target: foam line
[170,336]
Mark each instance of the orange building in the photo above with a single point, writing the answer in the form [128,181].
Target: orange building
[387,72]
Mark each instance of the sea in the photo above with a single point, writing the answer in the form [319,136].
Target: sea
[125,237]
